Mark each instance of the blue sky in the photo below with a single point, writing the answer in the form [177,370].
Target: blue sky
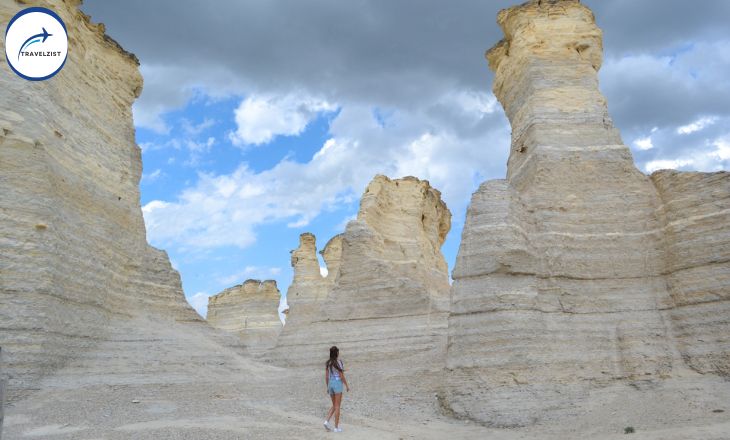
[199,142]
[262,120]
[200,139]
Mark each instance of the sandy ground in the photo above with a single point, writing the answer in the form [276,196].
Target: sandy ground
[188,386]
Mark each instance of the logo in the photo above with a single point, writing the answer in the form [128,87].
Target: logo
[36,44]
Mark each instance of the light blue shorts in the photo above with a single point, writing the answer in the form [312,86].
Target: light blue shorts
[335,386]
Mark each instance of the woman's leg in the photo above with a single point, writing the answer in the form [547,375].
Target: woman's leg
[332,408]
[337,402]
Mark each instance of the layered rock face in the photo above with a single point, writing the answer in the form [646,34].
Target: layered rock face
[695,217]
[249,310]
[387,284]
[73,253]
[574,272]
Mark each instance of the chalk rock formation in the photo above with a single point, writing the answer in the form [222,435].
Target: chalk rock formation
[308,287]
[332,255]
[575,272]
[695,215]
[2,393]
[390,295]
[73,253]
[251,310]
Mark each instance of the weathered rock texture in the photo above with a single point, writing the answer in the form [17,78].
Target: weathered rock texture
[2,393]
[695,216]
[251,310]
[386,291]
[308,287]
[576,271]
[332,255]
[73,253]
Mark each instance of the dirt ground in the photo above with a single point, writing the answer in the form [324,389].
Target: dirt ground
[159,381]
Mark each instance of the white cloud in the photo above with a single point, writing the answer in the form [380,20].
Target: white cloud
[474,104]
[192,129]
[255,272]
[151,177]
[644,143]
[697,125]
[260,119]
[323,271]
[199,302]
[722,151]
[283,306]
[197,150]
[224,210]
[667,164]
[150,117]
[710,156]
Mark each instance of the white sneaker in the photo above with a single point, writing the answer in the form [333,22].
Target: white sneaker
[327,425]
[337,430]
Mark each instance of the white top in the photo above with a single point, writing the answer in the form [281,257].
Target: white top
[334,373]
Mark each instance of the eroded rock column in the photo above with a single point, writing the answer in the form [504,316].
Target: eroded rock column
[559,283]
[389,301]
[73,252]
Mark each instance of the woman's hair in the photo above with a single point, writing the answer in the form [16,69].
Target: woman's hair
[332,361]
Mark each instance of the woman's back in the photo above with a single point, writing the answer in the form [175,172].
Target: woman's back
[334,371]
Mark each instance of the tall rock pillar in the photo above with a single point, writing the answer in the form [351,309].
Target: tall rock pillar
[558,285]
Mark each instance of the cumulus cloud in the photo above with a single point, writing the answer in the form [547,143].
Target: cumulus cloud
[644,143]
[677,97]
[711,155]
[254,272]
[199,302]
[192,129]
[412,93]
[697,125]
[436,143]
[666,164]
[723,149]
[261,118]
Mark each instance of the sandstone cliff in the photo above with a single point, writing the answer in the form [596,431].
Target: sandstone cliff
[386,292]
[250,310]
[576,272]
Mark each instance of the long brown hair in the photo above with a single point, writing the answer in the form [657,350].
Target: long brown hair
[332,361]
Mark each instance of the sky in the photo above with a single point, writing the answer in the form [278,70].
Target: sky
[260,120]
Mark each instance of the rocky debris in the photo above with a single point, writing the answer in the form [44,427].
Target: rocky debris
[389,299]
[574,273]
[250,310]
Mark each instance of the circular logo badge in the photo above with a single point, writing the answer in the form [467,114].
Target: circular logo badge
[36,44]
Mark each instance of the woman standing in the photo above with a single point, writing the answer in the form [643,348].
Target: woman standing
[334,377]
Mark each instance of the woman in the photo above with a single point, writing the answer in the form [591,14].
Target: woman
[334,377]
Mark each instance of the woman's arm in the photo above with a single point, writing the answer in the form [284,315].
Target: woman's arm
[342,375]
[326,379]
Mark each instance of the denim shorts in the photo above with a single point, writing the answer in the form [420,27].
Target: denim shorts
[335,386]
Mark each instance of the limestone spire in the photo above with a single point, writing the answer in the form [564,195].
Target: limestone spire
[546,78]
